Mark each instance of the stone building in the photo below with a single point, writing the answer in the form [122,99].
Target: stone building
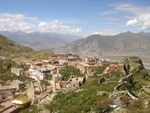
[6,93]
[114,68]
[88,65]
[17,71]
[75,82]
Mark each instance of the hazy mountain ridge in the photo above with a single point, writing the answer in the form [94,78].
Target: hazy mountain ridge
[40,41]
[123,44]
[8,47]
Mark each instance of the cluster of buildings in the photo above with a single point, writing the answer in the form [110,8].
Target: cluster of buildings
[54,64]
[12,99]
[51,67]
[88,65]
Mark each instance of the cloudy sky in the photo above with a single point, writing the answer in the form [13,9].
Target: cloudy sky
[79,17]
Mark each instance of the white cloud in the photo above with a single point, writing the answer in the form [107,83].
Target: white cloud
[20,22]
[139,16]
[54,26]
[132,22]
[106,32]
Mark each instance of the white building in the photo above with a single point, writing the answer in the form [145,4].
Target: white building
[38,74]
[17,71]
[63,62]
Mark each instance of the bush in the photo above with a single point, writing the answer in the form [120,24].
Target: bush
[84,101]
[70,70]
[103,106]
[101,69]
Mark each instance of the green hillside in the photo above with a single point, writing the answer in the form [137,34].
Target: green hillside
[94,95]
[9,48]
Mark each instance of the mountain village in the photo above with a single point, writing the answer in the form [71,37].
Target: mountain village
[12,99]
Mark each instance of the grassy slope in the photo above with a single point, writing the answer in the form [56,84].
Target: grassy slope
[9,48]
[70,70]
[86,99]
[39,55]
[81,101]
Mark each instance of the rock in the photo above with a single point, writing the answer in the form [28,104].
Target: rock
[132,64]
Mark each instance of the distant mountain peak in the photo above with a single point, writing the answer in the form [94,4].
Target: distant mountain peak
[123,44]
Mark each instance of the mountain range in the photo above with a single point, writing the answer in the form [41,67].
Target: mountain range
[40,41]
[123,44]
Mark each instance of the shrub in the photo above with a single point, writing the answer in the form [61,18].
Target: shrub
[103,106]
[70,70]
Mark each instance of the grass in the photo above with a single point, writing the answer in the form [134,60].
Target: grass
[6,75]
[140,77]
[10,49]
[39,55]
[70,70]
[75,102]
[141,80]
[84,101]
[101,69]
[87,99]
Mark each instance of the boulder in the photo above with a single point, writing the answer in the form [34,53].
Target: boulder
[132,65]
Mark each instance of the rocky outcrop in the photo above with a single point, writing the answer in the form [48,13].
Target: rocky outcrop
[132,64]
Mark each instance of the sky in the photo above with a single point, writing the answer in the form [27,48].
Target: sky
[77,17]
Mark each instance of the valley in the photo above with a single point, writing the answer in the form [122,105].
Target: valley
[74,56]
[39,78]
